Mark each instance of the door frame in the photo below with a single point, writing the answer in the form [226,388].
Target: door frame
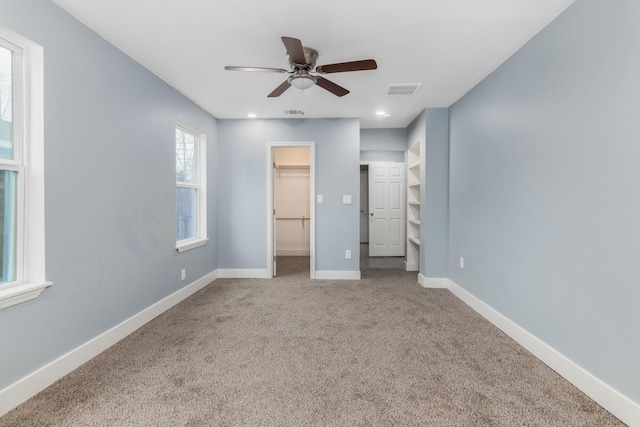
[364,210]
[312,205]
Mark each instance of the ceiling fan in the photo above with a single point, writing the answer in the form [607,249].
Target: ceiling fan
[302,61]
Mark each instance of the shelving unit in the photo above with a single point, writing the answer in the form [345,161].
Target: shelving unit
[292,166]
[413,208]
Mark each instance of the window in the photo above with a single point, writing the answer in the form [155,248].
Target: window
[21,170]
[191,224]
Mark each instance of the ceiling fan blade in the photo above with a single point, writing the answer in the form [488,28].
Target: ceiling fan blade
[341,67]
[259,69]
[295,50]
[331,86]
[280,89]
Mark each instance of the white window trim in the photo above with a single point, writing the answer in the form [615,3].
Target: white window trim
[201,239]
[31,274]
[185,245]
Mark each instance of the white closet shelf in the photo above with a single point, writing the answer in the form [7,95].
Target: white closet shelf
[292,167]
[414,207]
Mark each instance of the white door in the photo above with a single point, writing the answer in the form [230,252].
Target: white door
[364,207]
[387,220]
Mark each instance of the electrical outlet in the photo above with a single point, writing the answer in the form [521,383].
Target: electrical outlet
[461,262]
[184,273]
[347,254]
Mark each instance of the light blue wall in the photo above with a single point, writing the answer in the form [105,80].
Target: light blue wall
[110,191]
[383,139]
[435,211]
[382,156]
[431,128]
[383,144]
[544,191]
[243,191]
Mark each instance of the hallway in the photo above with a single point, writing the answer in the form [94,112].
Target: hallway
[367,262]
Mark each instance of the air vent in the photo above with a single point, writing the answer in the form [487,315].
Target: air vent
[403,89]
[294,112]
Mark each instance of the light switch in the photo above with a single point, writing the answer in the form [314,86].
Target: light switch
[319,199]
[346,199]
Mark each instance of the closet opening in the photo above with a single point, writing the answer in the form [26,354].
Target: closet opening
[291,210]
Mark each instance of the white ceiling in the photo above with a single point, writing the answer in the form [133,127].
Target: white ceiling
[447,45]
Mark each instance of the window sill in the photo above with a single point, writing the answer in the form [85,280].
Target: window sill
[185,245]
[15,294]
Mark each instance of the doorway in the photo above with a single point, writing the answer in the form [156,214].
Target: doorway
[364,205]
[382,215]
[291,209]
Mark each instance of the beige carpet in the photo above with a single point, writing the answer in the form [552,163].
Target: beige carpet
[290,351]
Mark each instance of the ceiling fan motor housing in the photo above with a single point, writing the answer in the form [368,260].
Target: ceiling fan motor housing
[310,56]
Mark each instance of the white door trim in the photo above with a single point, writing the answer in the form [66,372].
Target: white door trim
[312,205]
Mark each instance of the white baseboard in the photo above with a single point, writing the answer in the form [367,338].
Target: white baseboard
[242,273]
[433,282]
[337,275]
[609,398]
[29,386]
[293,252]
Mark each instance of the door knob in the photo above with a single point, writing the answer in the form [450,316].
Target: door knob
[371,213]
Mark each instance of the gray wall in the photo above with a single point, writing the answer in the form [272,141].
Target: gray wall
[243,190]
[431,128]
[544,191]
[110,191]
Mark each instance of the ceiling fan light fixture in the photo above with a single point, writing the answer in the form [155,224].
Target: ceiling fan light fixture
[302,81]
[302,62]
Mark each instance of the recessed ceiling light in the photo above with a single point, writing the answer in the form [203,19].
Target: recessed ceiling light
[386,115]
[381,113]
[252,115]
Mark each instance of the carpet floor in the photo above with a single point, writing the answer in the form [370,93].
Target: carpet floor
[291,351]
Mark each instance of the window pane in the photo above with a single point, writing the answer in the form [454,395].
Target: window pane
[187,201]
[8,197]
[6,104]
[186,157]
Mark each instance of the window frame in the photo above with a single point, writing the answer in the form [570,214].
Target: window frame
[200,238]
[28,147]
[16,164]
